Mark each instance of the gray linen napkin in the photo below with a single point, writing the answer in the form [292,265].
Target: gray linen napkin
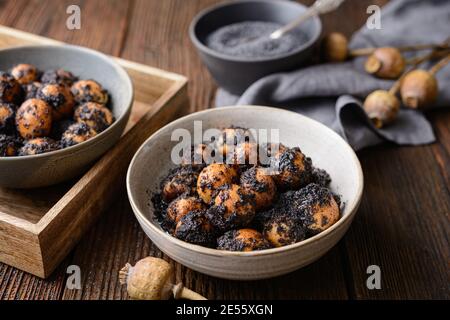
[332,93]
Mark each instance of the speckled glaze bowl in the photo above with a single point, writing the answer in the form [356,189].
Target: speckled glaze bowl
[327,150]
[57,166]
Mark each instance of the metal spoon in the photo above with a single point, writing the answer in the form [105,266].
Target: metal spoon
[319,7]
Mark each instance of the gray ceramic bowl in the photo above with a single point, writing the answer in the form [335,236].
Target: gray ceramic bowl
[236,74]
[327,150]
[54,167]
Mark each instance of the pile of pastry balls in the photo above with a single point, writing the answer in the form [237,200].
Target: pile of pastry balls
[244,207]
[43,112]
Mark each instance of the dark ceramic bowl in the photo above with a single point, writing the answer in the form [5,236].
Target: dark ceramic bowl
[235,74]
[57,166]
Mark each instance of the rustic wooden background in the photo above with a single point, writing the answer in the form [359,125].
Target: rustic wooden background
[402,225]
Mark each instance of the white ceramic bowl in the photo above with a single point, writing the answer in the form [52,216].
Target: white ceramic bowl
[327,150]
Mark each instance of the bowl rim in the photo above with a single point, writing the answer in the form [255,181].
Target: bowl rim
[351,207]
[199,44]
[122,74]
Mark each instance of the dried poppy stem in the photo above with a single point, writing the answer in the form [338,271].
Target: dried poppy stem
[368,51]
[382,106]
[438,66]
[335,48]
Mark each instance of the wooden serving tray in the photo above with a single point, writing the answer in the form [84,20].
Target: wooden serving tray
[39,227]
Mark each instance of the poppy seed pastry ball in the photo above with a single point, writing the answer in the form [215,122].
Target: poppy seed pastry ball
[242,240]
[34,119]
[197,158]
[38,146]
[284,229]
[10,89]
[257,182]
[89,91]
[212,177]
[317,208]
[59,76]
[7,117]
[25,73]
[235,208]
[243,154]
[274,149]
[31,89]
[233,137]
[95,115]
[59,98]
[180,181]
[9,146]
[195,228]
[182,206]
[77,133]
[294,169]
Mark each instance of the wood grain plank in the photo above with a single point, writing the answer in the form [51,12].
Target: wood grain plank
[402,226]
[103,22]
[16,284]
[158,36]
[441,150]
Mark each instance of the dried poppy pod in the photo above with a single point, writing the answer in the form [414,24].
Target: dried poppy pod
[25,73]
[242,240]
[34,119]
[381,107]
[419,89]
[150,278]
[387,63]
[335,47]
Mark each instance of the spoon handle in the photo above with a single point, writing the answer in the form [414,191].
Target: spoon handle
[319,7]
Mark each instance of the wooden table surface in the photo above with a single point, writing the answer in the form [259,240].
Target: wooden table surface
[402,225]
